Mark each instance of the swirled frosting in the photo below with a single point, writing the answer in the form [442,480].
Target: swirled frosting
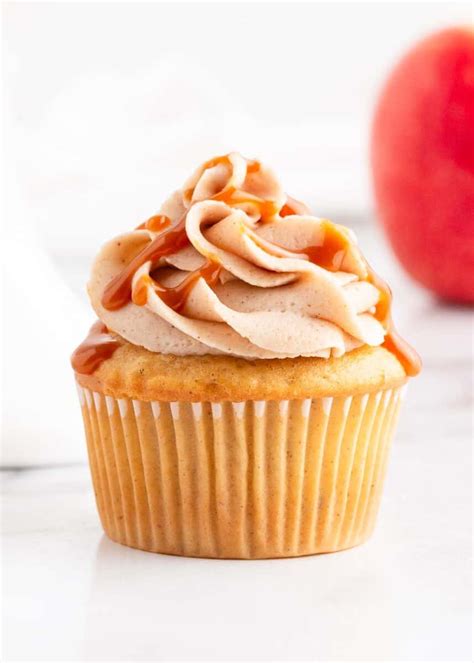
[232,265]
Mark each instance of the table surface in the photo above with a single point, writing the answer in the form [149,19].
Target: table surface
[71,594]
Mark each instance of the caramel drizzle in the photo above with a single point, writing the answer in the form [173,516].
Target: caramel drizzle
[234,197]
[117,293]
[156,223]
[293,206]
[253,166]
[393,342]
[177,296]
[286,210]
[215,161]
[98,346]
[328,255]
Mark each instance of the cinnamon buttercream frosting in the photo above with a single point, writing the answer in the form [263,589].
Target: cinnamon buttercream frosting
[232,265]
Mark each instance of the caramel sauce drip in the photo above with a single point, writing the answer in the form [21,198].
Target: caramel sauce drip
[253,167]
[293,206]
[394,343]
[330,255]
[212,163]
[286,210]
[176,296]
[155,223]
[215,161]
[98,346]
[117,293]
[232,197]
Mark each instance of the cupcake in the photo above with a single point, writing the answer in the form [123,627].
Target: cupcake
[242,384]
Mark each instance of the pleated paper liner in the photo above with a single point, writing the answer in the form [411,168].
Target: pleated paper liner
[249,480]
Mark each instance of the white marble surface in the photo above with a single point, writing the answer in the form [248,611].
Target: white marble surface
[70,594]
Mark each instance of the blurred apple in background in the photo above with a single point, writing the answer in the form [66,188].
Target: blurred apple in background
[422,154]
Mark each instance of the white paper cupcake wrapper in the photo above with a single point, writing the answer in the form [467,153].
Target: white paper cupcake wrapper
[253,479]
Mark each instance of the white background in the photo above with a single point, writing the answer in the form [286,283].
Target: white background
[108,107]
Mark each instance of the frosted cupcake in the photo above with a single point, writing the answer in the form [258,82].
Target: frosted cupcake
[243,382]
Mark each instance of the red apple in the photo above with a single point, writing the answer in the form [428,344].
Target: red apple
[422,152]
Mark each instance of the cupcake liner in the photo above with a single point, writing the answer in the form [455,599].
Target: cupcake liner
[253,479]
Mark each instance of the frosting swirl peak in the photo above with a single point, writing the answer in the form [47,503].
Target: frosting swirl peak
[232,265]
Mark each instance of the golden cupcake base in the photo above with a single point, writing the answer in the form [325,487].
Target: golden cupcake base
[246,480]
